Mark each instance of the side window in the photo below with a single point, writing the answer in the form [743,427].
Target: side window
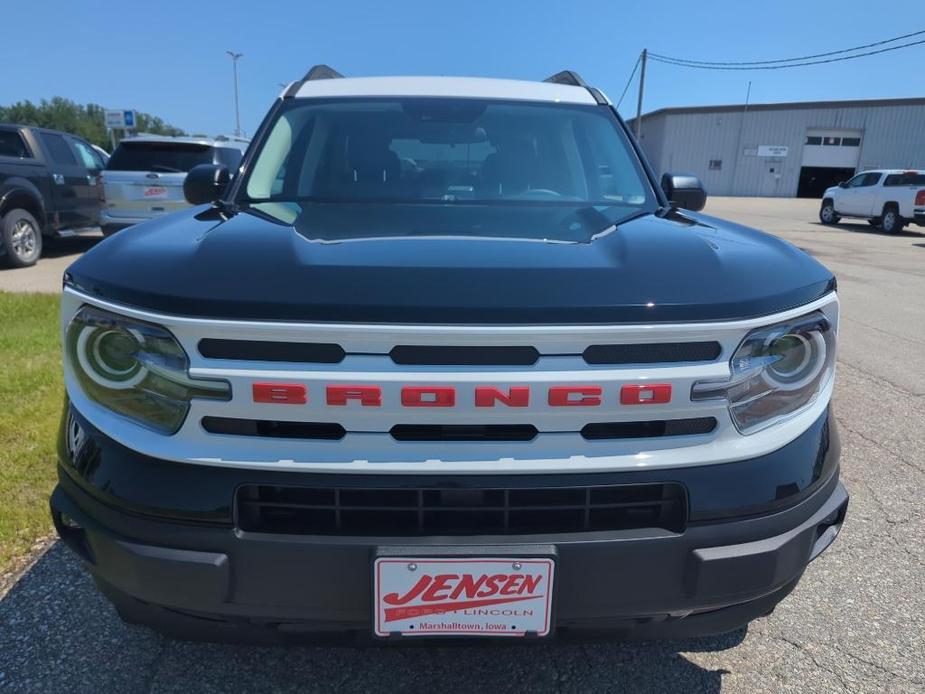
[909,178]
[857,181]
[872,179]
[12,145]
[88,157]
[58,149]
[229,157]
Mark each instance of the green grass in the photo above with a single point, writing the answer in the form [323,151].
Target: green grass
[31,395]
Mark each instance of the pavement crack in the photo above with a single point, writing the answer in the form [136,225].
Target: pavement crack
[877,666]
[896,454]
[879,379]
[815,661]
[852,319]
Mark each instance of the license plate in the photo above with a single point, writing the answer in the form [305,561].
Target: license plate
[155,193]
[462,597]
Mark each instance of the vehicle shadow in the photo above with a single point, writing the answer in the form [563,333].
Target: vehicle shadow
[73,245]
[58,634]
[865,228]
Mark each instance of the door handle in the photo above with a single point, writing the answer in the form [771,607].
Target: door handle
[58,179]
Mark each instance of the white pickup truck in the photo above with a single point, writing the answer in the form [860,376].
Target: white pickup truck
[889,199]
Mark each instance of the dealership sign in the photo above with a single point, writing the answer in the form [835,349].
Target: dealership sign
[120,118]
[777,151]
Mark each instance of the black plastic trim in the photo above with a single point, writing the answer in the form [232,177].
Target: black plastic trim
[569,77]
[649,429]
[259,350]
[437,355]
[653,353]
[321,72]
[231,426]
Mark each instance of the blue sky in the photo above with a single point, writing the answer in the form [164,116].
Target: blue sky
[168,58]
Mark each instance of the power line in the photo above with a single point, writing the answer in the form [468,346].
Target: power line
[629,82]
[780,67]
[789,60]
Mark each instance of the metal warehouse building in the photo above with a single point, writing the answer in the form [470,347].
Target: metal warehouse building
[785,150]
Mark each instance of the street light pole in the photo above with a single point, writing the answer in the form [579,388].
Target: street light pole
[237,115]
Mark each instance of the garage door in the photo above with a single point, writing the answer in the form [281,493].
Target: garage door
[839,149]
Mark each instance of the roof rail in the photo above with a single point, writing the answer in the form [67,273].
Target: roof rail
[321,72]
[569,77]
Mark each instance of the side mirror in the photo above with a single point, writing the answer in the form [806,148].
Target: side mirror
[205,183]
[685,191]
[843,184]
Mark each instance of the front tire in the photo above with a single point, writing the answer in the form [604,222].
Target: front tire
[891,222]
[827,213]
[21,236]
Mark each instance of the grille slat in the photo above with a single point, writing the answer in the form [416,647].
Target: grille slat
[653,353]
[259,350]
[419,512]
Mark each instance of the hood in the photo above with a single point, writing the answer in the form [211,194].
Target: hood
[674,268]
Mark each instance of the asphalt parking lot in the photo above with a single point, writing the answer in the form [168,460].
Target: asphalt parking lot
[855,623]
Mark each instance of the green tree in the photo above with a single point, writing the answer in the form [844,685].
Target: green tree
[87,121]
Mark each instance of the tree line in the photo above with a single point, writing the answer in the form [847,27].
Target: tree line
[87,121]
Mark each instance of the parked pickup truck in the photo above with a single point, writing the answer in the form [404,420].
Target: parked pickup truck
[49,186]
[886,198]
[445,359]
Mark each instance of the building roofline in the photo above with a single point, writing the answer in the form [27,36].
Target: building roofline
[788,105]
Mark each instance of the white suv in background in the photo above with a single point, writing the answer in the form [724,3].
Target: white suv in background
[889,199]
[144,177]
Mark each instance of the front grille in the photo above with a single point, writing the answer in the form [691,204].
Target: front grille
[435,511]
[439,355]
[272,428]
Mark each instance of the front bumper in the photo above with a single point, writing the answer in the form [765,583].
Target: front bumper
[207,579]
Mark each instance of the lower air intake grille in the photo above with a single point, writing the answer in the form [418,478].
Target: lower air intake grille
[417,512]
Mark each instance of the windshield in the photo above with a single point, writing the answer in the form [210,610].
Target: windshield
[169,157]
[448,167]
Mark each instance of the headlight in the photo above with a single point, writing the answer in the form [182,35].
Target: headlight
[135,369]
[776,371]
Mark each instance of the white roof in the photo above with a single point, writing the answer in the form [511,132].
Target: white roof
[894,171]
[472,87]
[220,141]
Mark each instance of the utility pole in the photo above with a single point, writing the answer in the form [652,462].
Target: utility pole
[738,150]
[237,115]
[642,84]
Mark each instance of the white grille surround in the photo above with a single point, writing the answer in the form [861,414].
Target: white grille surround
[368,447]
